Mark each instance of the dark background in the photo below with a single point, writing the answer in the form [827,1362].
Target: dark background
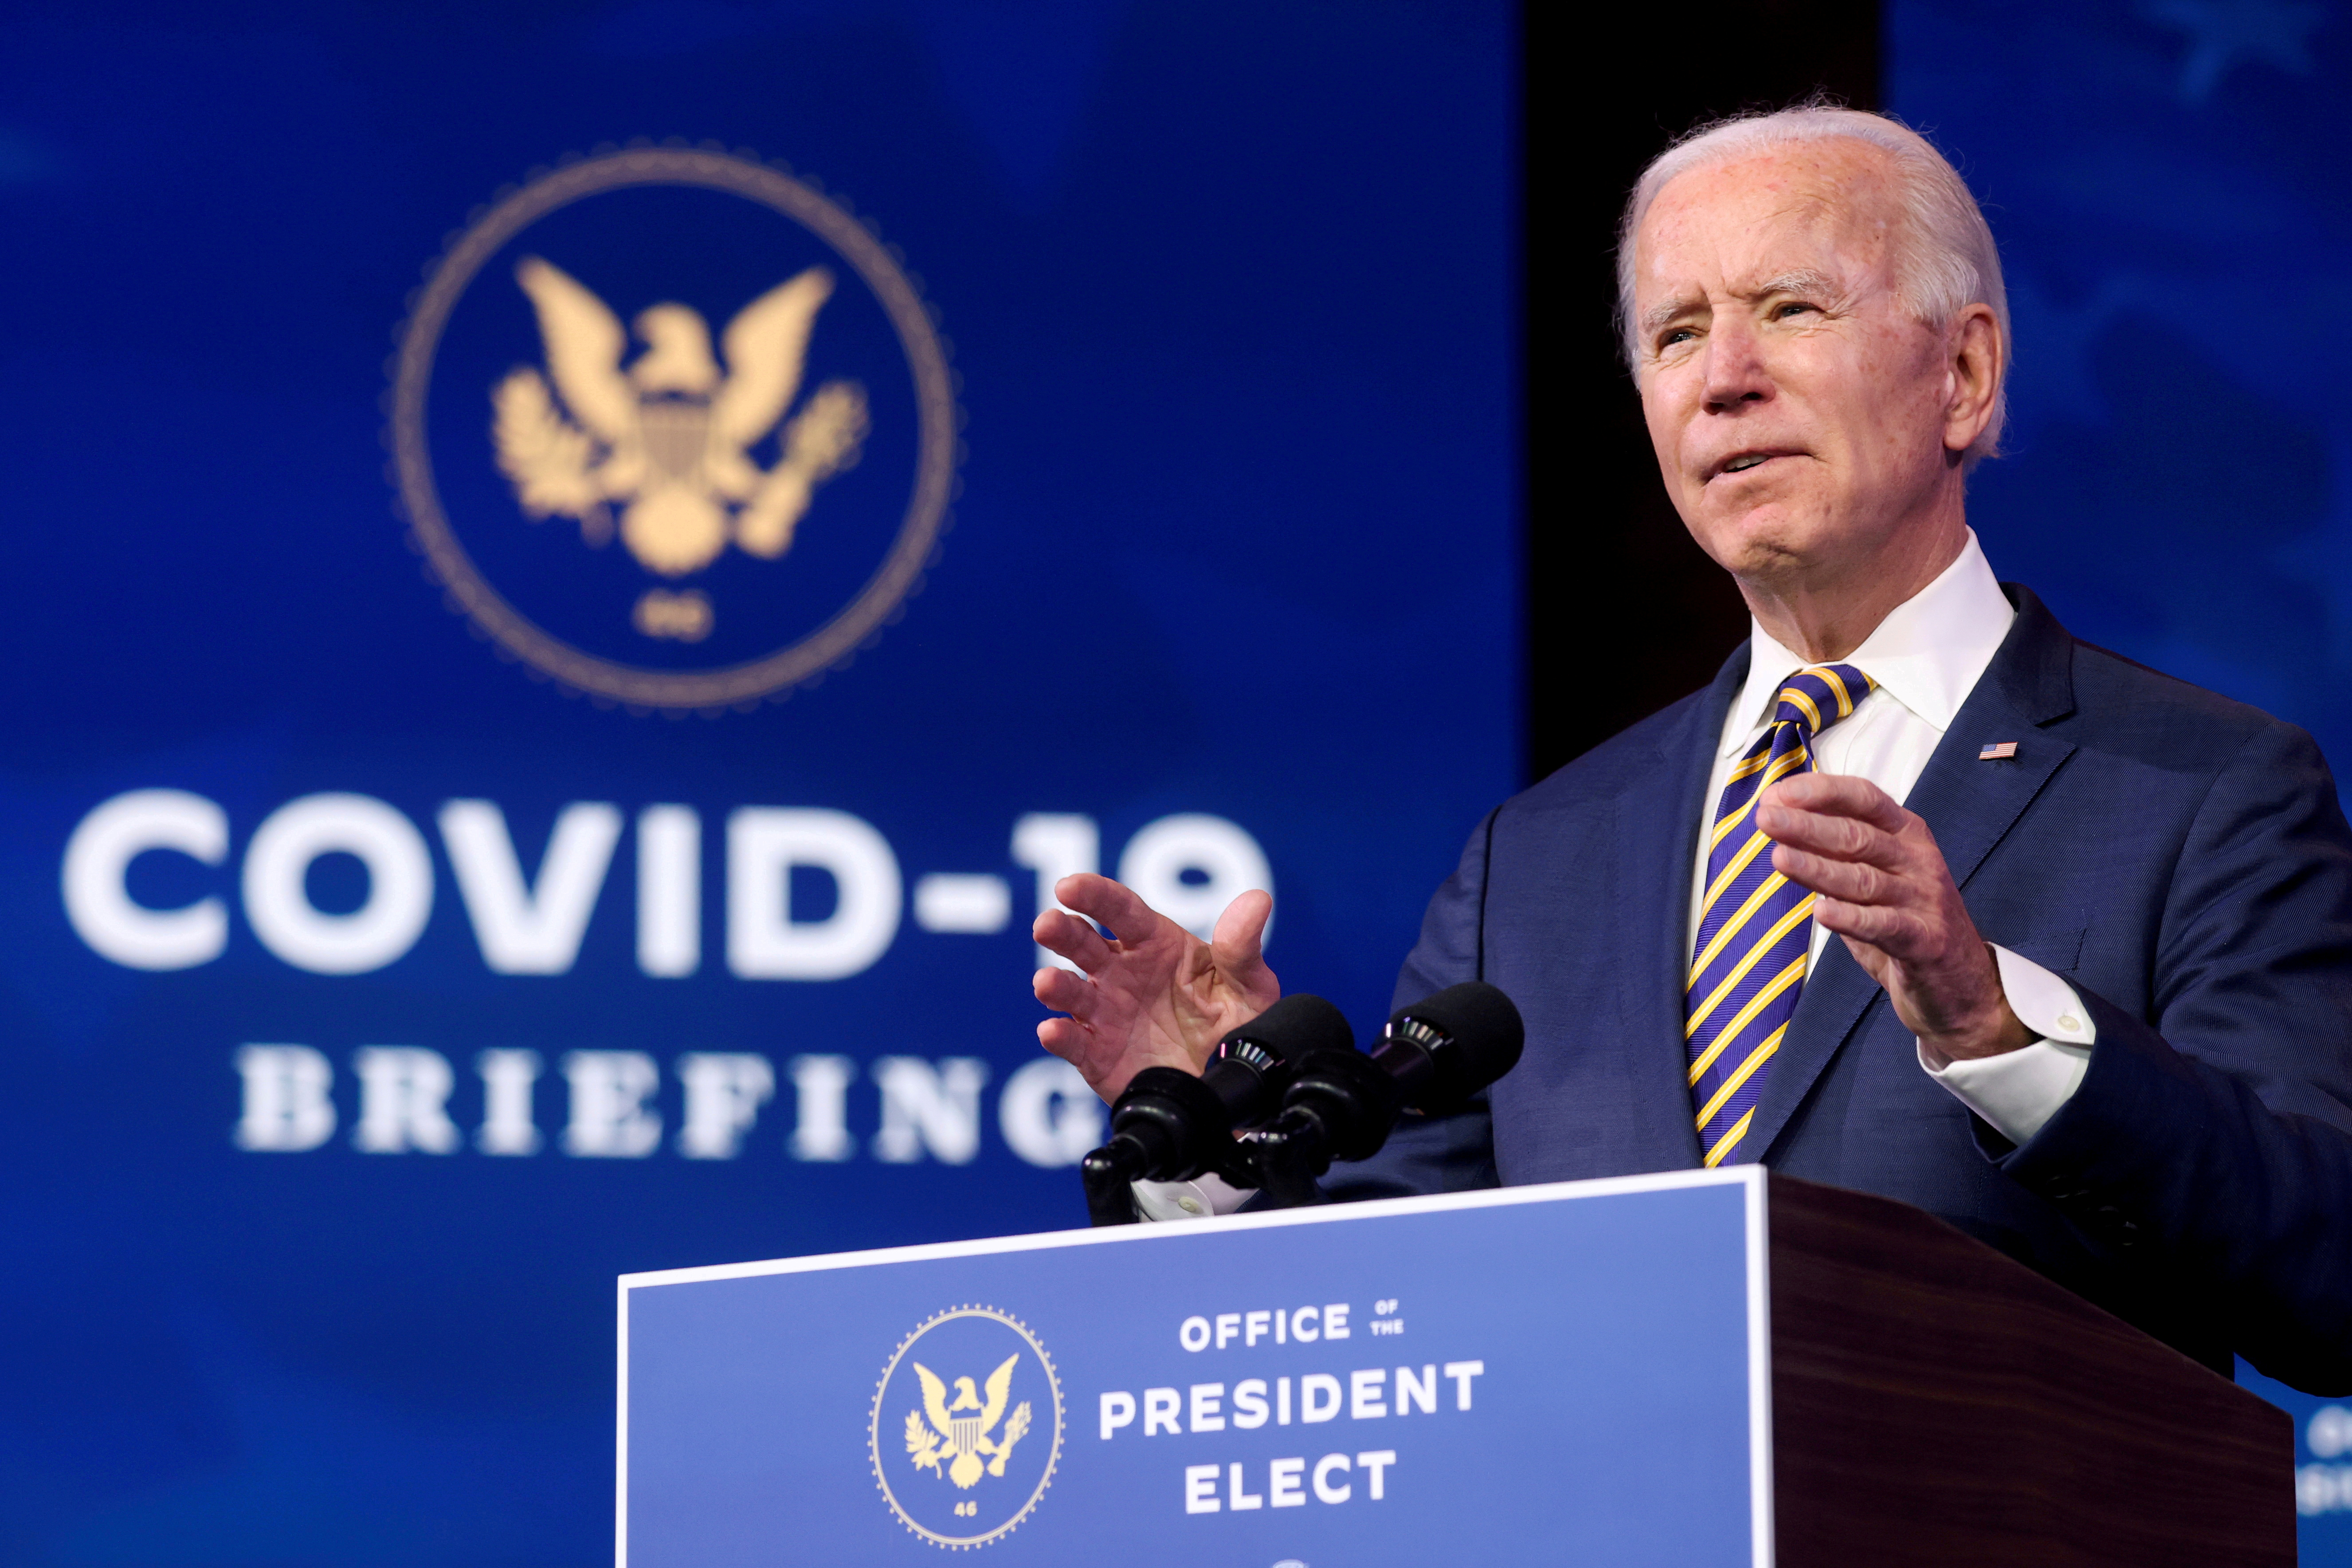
[1597,514]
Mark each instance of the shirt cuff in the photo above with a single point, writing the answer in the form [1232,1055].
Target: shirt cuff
[2019,1091]
[1201,1199]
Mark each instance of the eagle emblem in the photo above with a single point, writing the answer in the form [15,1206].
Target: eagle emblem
[668,438]
[958,1440]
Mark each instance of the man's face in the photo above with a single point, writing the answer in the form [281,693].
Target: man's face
[1798,409]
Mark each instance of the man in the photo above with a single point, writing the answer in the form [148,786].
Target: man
[2091,995]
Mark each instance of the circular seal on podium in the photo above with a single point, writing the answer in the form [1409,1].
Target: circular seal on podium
[966,1427]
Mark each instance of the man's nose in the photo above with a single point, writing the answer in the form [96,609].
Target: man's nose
[1736,372]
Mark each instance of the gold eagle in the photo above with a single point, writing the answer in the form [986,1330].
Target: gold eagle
[958,1438]
[668,437]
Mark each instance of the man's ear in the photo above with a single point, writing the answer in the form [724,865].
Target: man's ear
[1976,359]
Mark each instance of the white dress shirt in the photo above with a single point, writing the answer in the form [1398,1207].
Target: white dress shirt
[1926,655]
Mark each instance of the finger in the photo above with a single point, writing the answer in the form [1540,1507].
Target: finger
[1067,992]
[1059,931]
[1064,1038]
[1848,880]
[1108,903]
[1839,837]
[1891,931]
[1238,942]
[1838,795]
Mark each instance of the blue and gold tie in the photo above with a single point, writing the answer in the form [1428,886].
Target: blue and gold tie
[1756,927]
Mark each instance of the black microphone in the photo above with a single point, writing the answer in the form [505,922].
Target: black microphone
[1170,1126]
[1341,1105]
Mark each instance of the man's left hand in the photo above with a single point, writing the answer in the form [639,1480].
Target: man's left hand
[1884,887]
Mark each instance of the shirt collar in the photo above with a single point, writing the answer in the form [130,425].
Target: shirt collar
[1927,654]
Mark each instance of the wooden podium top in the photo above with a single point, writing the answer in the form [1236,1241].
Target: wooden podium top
[1934,1402]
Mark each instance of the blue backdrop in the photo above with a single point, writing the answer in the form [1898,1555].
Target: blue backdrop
[2174,216]
[334,1108]
[1225,294]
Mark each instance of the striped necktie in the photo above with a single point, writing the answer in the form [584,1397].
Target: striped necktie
[1756,927]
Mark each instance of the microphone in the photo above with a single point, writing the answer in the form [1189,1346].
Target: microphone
[1341,1105]
[1170,1126]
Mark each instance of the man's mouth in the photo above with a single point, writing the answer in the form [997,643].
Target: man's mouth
[1744,461]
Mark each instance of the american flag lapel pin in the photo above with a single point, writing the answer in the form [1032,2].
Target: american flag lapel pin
[1998,751]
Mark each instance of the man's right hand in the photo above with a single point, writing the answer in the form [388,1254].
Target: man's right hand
[1156,995]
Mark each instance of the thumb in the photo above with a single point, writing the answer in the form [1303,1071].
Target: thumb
[1238,942]
[1875,962]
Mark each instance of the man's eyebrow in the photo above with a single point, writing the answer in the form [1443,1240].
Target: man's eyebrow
[1668,310]
[1803,281]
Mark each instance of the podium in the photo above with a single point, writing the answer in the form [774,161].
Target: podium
[1699,1367]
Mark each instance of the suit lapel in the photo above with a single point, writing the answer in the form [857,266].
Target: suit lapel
[1657,819]
[1970,806]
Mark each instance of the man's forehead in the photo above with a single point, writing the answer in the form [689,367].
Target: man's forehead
[1743,224]
[1839,173]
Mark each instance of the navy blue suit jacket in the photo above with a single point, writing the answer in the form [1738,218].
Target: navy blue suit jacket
[2181,859]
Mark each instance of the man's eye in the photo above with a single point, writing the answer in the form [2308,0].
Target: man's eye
[1677,335]
[1781,312]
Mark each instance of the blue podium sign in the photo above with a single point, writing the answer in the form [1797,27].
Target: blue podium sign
[1577,1371]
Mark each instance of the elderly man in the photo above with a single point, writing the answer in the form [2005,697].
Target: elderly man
[2091,995]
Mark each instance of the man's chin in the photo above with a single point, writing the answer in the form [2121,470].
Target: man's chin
[1763,540]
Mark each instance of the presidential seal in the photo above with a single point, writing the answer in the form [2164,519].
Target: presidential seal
[673,428]
[966,1427]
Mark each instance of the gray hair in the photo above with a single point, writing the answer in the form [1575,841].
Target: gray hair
[1944,260]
